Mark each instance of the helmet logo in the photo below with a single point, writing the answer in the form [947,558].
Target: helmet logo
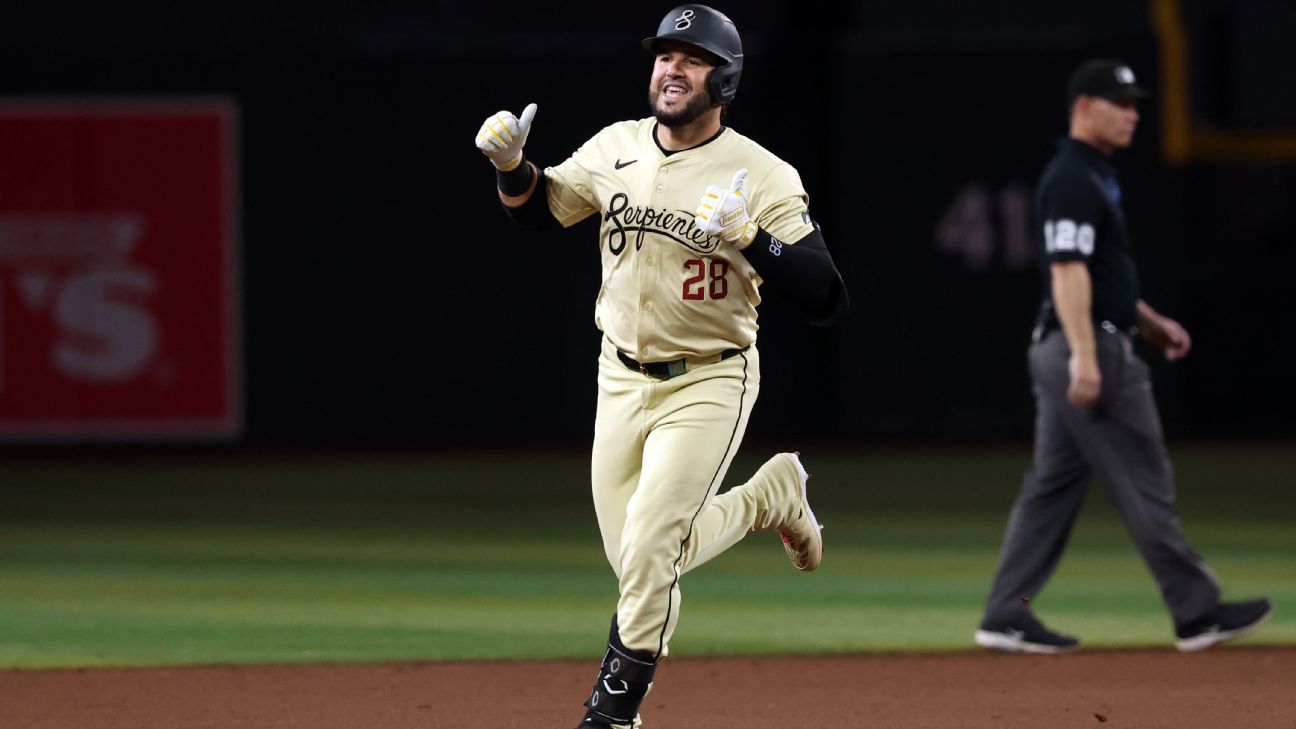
[684,20]
[1124,75]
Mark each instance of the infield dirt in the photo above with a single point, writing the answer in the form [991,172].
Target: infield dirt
[1149,689]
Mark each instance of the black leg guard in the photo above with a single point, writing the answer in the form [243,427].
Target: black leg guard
[622,682]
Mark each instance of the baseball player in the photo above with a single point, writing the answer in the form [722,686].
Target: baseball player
[696,222]
[1095,414]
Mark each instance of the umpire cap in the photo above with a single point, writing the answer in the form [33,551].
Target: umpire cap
[710,30]
[1109,78]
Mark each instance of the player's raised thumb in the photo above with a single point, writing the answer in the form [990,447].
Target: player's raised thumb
[524,122]
[738,178]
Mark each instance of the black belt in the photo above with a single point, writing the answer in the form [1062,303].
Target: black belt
[675,367]
[1044,328]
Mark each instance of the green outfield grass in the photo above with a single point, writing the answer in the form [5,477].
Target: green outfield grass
[244,559]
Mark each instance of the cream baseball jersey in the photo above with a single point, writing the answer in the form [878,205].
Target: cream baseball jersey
[668,289]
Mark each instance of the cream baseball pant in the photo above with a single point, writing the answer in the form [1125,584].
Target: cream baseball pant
[661,450]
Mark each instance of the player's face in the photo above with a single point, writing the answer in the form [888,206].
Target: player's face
[677,91]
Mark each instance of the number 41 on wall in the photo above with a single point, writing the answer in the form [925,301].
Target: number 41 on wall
[979,220]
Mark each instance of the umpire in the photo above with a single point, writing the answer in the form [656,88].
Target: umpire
[1095,415]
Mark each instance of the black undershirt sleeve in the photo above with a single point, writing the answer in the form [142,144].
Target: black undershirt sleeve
[803,272]
[533,214]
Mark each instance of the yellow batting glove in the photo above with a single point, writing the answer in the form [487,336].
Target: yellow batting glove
[723,212]
[502,135]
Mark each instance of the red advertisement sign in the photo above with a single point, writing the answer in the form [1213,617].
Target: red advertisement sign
[118,270]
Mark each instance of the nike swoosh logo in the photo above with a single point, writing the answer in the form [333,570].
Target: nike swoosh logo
[619,164]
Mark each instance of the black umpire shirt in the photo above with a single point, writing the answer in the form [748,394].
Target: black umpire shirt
[1078,202]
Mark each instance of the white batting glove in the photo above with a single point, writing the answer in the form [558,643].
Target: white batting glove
[502,135]
[723,212]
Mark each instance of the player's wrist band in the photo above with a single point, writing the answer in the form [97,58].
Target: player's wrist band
[516,181]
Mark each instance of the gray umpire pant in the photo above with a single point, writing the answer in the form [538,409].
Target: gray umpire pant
[1119,441]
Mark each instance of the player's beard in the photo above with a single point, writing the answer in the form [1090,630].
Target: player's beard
[691,112]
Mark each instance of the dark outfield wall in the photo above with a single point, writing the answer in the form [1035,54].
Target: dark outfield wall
[388,301]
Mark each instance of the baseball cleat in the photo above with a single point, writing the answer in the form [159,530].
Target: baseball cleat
[1027,636]
[1227,621]
[590,722]
[802,535]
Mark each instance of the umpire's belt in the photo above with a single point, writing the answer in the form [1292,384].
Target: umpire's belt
[1043,329]
[675,367]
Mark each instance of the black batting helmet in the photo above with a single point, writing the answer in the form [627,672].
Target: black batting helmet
[710,30]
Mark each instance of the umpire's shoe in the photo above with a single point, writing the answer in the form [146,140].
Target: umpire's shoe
[1227,621]
[801,532]
[1025,636]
